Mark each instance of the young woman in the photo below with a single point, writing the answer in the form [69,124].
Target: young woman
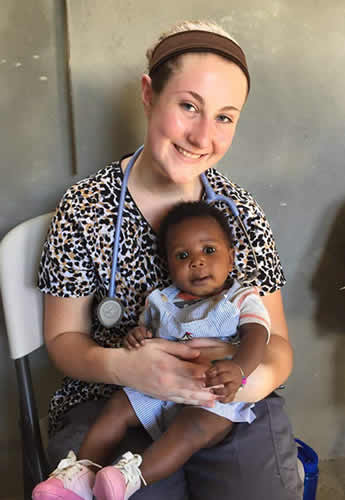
[193,94]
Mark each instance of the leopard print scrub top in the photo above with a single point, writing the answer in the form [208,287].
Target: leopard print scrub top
[77,257]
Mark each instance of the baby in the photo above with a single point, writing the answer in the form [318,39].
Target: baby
[203,302]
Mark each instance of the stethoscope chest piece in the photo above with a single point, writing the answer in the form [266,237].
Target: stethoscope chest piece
[109,311]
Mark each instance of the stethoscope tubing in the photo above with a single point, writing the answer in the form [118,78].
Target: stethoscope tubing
[211,197]
[116,246]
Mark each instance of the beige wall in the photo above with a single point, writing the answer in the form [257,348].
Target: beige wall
[289,151]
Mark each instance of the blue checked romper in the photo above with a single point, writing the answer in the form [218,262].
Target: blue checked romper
[212,317]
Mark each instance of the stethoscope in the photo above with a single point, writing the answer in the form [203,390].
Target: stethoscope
[110,309]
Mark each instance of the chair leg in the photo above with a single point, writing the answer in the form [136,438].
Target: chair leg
[35,468]
[27,477]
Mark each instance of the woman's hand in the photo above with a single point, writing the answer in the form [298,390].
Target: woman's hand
[211,349]
[165,370]
[223,377]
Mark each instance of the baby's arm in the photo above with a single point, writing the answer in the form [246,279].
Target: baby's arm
[254,330]
[136,337]
[252,346]
[231,373]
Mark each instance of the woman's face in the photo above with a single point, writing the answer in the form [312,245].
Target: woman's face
[191,123]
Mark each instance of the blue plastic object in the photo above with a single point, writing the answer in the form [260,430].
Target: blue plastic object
[310,461]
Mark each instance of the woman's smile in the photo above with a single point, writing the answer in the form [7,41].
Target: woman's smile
[188,154]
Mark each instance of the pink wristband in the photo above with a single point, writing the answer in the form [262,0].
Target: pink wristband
[244,378]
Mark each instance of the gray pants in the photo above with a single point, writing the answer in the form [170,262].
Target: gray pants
[255,461]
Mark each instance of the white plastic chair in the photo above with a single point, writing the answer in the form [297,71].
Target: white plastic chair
[20,251]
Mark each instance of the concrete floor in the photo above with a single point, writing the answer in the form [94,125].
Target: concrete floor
[331,485]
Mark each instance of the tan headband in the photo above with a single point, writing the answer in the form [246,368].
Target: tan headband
[198,41]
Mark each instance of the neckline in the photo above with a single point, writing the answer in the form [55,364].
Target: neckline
[128,193]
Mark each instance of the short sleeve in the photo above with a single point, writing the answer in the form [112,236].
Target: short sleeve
[66,268]
[270,272]
[252,309]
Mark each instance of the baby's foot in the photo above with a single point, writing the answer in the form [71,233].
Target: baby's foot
[72,480]
[119,481]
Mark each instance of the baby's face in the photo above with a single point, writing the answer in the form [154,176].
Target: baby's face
[199,256]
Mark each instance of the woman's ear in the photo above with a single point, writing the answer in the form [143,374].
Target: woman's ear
[146,93]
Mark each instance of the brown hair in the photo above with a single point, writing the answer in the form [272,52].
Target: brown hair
[164,56]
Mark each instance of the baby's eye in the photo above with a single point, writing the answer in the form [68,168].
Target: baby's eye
[188,106]
[182,255]
[209,250]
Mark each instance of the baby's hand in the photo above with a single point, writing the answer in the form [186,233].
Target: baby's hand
[136,337]
[226,378]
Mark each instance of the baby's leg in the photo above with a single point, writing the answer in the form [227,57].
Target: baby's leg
[108,429]
[192,429]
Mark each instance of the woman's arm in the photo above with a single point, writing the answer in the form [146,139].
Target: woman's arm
[160,368]
[277,360]
[273,371]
